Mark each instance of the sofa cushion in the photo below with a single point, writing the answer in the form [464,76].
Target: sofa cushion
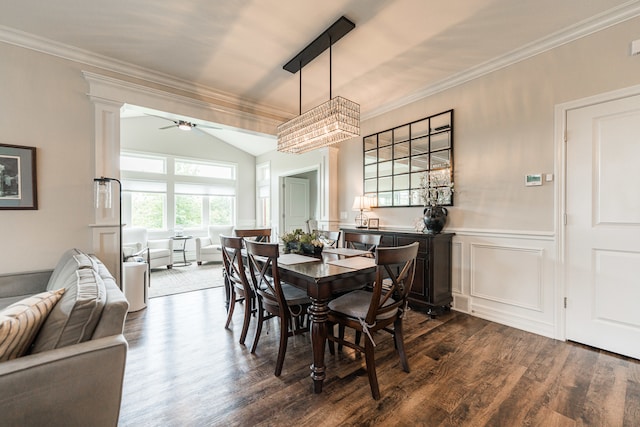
[20,322]
[70,261]
[75,317]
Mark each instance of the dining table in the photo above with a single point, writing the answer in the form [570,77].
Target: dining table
[335,271]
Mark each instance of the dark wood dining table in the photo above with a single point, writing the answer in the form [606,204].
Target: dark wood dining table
[323,280]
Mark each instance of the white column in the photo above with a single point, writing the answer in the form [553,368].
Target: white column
[106,228]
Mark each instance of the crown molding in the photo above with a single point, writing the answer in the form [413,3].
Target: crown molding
[40,44]
[624,12]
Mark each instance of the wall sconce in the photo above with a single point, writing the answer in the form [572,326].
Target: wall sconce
[361,204]
[102,190]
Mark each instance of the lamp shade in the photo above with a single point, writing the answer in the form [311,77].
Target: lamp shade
[361,203]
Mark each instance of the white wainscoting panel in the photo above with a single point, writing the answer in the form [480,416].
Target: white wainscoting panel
[506,278]
[508,275]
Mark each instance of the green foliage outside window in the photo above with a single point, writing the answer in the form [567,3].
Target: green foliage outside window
[221,210]
[189,211]
[149,210]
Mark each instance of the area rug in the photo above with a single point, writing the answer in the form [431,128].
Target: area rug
[185,279]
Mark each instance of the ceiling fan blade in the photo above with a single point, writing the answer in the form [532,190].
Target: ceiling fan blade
[168,127]
[206,126]
[163,118]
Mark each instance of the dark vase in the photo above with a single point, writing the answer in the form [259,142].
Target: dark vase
[435,217]
[293,247]
[307,248]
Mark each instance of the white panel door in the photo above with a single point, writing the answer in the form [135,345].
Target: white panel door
[603,226]
[296,203]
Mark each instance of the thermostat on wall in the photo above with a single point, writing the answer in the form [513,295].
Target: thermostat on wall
[533,179]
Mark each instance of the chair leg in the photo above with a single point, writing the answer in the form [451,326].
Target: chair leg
[358,336]
[371,368]
[259,327]
[332,349]
[247,319]
[284,338]
[232,305]
[340,336]
[398,337]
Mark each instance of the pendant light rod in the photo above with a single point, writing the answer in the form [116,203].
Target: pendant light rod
[330,62]
[331,35]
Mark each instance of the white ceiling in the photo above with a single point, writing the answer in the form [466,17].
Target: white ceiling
[398,51]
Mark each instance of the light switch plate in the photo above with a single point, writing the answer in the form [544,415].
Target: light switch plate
[344,215]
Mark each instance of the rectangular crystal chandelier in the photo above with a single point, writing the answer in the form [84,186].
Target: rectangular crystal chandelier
[327,124]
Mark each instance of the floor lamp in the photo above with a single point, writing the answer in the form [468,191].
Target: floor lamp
[103,200]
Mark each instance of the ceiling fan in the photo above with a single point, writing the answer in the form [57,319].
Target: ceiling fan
[182,124]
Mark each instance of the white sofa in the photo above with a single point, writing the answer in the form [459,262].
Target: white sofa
[208,248]
[135,241]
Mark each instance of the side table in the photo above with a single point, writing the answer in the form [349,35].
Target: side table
[182,249]
[135,285]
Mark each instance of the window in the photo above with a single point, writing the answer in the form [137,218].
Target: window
[263,191]
[162,192]
[149,212]
[204,169]
[189,211]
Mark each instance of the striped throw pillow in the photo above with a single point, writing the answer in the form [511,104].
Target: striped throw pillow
[20,322]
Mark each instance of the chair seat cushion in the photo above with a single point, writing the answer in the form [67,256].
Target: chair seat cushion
[356,304]
[293,295]
[159,253]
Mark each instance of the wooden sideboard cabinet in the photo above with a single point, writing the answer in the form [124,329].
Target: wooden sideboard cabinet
[431,291]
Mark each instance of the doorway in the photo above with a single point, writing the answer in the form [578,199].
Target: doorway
[299,200]
[602,231]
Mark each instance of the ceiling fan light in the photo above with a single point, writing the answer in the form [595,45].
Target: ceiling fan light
[184,125]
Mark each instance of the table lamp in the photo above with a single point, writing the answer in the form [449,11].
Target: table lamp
[361,204]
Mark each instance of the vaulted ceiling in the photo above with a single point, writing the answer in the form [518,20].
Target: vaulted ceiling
[399,51]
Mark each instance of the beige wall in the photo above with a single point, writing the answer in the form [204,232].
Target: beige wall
[43,104]
[504,129]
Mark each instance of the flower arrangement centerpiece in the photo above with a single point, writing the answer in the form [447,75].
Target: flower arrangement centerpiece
[299,242]
[436,190]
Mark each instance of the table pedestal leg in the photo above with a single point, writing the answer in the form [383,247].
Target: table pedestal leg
[318,315]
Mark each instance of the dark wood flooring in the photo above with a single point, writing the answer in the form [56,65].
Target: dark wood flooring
[185,369]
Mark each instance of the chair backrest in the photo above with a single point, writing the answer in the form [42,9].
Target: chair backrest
[312,225]
[260,234]
[232,260]
[397,265]
[328,238]
[263,265]
[133,235]
[367,242]
[215,231]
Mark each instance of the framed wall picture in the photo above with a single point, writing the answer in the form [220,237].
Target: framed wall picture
[374,223]
[18,177]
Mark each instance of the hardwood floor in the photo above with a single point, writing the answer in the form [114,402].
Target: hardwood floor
[185,369]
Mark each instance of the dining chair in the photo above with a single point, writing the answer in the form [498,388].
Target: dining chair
[328,238]
[239,288]
[259,234]
[275,299]
[368,312]
[367,242]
